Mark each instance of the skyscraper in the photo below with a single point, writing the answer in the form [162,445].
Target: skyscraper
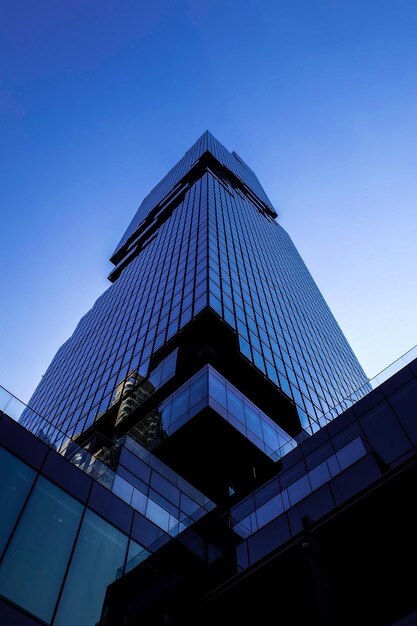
[204,275]
[182,483]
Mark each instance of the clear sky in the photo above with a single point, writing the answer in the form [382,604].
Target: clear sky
[99,98]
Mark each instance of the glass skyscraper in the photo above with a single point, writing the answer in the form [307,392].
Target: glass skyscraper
[203,276]
[175,475]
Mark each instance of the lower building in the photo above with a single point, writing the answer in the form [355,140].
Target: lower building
[318,531]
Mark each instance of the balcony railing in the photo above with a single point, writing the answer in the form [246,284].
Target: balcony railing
[102,473]
[369,386]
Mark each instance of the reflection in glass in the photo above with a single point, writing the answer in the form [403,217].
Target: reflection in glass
[16,479]
[252,421]
[131,393]
[158,515]
[217,390]
[235,405]
[180,404]
[99,553]
[34,564]
[135,555]
[269,435]
[198,390]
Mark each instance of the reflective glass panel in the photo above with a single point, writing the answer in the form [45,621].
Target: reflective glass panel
[34,564]
[135,555]
[99,554]
[16,479]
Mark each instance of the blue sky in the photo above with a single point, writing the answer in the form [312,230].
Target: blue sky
[99,98]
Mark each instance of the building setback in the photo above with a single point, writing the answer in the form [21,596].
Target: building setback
[205,243]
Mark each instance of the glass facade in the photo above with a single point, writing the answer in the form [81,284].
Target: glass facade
[261,287]
[159,292]
[325,471]
[272,499]
[208,290]
[33,568]
[139,478]
[100,552]
[169,183]
[209,388]
[303,532]
[57,555]
[17,481]
[209,240]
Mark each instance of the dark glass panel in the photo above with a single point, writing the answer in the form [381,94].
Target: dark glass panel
[34,564]
[16,479]
[98,558]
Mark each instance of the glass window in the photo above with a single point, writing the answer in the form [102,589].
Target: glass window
[258,360]
[16,479]
[319,475]
[229,317]
[163,502]
[270,435]
[165,488]
[217,390]
[34,564]
[157,514]
[200,303]
[139,500]
[298,490]
[165,411]
[235,405]
[244,347]
[269,510]
[122,488]
[155,377]
[198,390]
[403,403]
[253,421]
[188,505]
[351,453]
[180,404]
[215,304]
[384,433]
[284,384]
[168,369]
[98,558]
[135,555]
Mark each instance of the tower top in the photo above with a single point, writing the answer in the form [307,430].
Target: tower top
[205,146]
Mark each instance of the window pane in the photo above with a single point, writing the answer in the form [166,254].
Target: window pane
[99,554]
[180,405]
[217,390]
[136,554]
[198,390]
[34,564]
[384,433]
[158,515]
[253,421]
[16,479]
[235,405]
[269,435]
